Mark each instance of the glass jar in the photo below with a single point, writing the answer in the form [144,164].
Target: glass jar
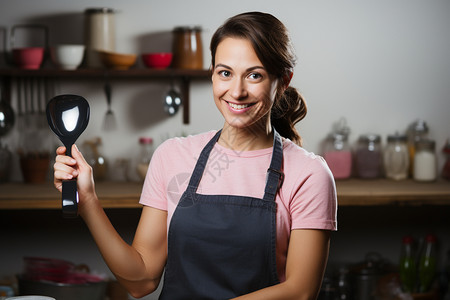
[338,155]
[145,155]
[425,162]
[368,156]
[187,48]
[396,157]
[416,131]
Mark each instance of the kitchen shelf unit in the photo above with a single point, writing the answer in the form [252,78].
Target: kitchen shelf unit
[185,76]
[353,192]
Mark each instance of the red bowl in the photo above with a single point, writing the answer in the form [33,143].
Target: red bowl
[28,58]
[159,60]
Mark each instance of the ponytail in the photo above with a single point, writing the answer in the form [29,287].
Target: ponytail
[288,110]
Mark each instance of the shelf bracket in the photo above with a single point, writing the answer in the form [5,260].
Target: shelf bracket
[185,83]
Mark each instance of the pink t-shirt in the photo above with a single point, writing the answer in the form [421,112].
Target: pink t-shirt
[306,200]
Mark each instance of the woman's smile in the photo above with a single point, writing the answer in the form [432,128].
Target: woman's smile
[239,108]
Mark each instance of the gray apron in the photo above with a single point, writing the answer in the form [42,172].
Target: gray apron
[223,246]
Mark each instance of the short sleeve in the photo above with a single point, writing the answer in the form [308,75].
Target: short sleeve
[314,205]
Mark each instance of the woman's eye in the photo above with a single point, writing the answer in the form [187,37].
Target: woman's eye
[255,76]
[224,73]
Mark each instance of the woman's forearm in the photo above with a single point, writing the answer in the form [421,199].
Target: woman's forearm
[121,258]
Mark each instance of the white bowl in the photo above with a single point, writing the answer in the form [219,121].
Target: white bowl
[67,57]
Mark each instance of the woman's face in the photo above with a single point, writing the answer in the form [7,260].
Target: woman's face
[243,90]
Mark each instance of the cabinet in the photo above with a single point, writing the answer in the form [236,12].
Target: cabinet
[183,75]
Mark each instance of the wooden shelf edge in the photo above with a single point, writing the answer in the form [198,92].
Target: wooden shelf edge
[363,193]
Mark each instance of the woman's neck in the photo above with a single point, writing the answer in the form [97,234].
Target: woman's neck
[246,139]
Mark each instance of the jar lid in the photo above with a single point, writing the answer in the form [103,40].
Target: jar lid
[425,143]
[374,138]
[397,138]
[419,126]
[145,140]
[407,239]
[336,136]
[99,10]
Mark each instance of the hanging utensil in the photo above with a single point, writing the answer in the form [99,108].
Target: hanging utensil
[172,101]
[6,114]
[110,119]
[68,117]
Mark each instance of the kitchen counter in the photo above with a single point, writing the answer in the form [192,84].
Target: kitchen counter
[353,192]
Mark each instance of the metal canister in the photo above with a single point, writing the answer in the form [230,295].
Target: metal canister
[187,48]
[366,276]
[100,33]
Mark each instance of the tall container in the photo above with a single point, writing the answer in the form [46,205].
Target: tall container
[99,35]
[425,161]
[416,131]
[187,48]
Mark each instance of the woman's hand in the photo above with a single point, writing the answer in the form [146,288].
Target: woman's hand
[76,167]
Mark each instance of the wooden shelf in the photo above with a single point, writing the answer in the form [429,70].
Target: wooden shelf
[183,75]
[358,192]
[354,192]
[45,196]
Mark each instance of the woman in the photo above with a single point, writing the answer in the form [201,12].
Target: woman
[242,212]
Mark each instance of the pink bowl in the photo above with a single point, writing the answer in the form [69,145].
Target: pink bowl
[28,58]
[159,60]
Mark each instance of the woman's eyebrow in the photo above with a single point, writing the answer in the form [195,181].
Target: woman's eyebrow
[228,67]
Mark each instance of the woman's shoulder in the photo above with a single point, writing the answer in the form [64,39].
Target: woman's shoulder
[303,162]
[294,152]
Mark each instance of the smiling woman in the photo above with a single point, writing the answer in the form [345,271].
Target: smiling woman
[257,209]
[243,89]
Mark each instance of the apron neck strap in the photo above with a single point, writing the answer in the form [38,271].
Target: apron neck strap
[274,177]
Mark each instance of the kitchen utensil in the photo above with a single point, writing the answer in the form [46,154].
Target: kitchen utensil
[6,114]
[67,57]
[68,117]
[159,60]
[110,119]
[117,61]
[172,101]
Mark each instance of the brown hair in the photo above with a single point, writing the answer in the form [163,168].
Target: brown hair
[270,40]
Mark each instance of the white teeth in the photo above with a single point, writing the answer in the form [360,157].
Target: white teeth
[238,106]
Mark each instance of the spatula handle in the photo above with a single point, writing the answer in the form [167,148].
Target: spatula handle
[69,199]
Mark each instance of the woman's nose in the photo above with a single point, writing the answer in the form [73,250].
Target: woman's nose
[238,89]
